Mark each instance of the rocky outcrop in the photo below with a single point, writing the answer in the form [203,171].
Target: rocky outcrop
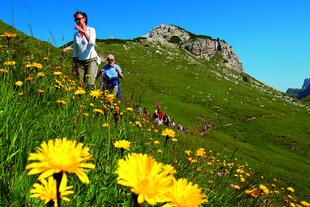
[300,93]
[199,45]
[306,83]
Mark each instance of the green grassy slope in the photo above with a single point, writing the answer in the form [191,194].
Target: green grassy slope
[267,129]
[251,120]
[29,47]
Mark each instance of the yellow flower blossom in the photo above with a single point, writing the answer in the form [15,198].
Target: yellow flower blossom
[60,155]
[9,63]
[95,93]
[110,98]
[138,123]
[129,109]
[264,189]
[79,91]
[305,203]
[2,70]
[57,73]
[46,191]
[169,133]
[98,111]
[8,35]
[188,152]
[40,92]
[200,152]
[122,144]
[61,102]
[58,84]
[105,125]
[290,189]
[19,83]
[37,65]
[145,177]
[156,142]
[40,74]
[237,187]
[169,169]
[184,194]
[253,192]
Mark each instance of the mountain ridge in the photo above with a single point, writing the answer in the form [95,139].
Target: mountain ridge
[300,93]
[200,45]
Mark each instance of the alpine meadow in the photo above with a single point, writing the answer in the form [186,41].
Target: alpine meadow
[243,143]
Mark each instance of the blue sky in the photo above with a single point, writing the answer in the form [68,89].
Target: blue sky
[271,37]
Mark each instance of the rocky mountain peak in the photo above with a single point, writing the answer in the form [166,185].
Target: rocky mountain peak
[200,45]
[306,83]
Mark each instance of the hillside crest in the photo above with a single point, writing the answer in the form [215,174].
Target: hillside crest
[199,45]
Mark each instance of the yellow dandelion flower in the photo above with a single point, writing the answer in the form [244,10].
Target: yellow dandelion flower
[253,192]
[194,161]
[19,83]
[37,65]
[110,98]
[105,125]
[61,102]
[58,84]
[138,123]
[95,93]
[200,152]
[98,111]
[86,114]
[29,78]
[174,139]
[156,142]
[290,189]
[184,194]
[2,70]
[169,169]
[292,204]
[122,144]
[60,155]
[40,92]
[159,151]
[57,73]
[46,191]
[169,133]
[8,35]
[145,177]
[9,63]
[242,179]
[241,171]
[237,187]
[188,152]
[264,188]
[41,74]
[129,109]
[79,91]
[305,203]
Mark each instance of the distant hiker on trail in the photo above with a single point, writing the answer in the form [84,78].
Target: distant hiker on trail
[146,113]
[158,116]
[109,77]
[85,58]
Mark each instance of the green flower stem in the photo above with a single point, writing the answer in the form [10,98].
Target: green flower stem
[58,177]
